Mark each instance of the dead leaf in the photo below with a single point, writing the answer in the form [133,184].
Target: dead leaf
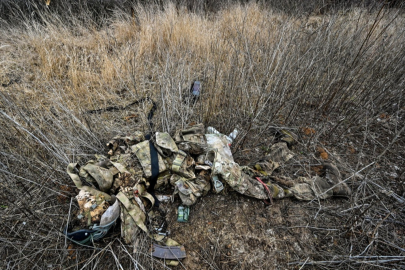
[384,116]
[308,131]
[322,153]
[130,116]
[317,169]
[70,250]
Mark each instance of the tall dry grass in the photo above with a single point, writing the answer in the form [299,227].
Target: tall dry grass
[258,67]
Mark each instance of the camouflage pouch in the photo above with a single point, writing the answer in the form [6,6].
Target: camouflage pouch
[312,188]
[93,173]
[78,182]
[166,143]
[279,152]
[192,139]
[142,152]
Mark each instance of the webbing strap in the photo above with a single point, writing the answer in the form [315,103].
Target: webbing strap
[134,211]
[79,184]
[178,161]
[154,162]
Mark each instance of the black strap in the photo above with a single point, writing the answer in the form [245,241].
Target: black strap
[153,151]
[155,169]
[118,108]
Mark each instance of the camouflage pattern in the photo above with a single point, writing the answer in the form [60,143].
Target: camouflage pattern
[186,168]
[321,187]
[128,168]
[332,175]
[220,144]
[119,144]
[76,179]
[190,190]
[279,152]
[163,179]
[129,230]
[142,152]
[266,167]
[132,214]
[165,141]
[178,161]
[141,190]
[102,176]
[288,137]
[311,188]
[192,140]
[185,192]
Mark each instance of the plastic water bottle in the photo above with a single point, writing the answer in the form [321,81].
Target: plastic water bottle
[233,134]
[196,89]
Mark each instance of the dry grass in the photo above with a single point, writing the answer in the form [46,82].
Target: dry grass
[337,73]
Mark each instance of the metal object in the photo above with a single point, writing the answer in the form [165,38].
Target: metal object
[218,186]
[209,163]
[183,213]
[169,253]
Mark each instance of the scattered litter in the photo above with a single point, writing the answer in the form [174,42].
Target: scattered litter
[169,253]
[230,138]
[202,167]
[218,186]
[193,162]
[183,213]
[164,198]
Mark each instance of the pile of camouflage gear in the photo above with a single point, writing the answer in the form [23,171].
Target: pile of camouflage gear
[190,161]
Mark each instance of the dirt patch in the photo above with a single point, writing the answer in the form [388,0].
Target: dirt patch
[231,231]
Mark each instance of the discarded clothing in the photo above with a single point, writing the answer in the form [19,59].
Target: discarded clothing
[190,162]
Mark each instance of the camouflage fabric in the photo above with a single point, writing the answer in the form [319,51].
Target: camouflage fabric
[178,161]
[185,192]
[321,187]
[185,169]
[219,143]
[232,174]
[256,189]
[190,190]
[163,179]
[266,167]
[288,137]
[140,189]
[165,141]
[103,176]
[279,152]
[242,180]
[192,140]
[128,168]
[119,144]
[332,175]
[131,214]
[76,179]
[142,152]
[129,230]
[312,188]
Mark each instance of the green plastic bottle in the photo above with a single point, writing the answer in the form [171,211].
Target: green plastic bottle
[183,213]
